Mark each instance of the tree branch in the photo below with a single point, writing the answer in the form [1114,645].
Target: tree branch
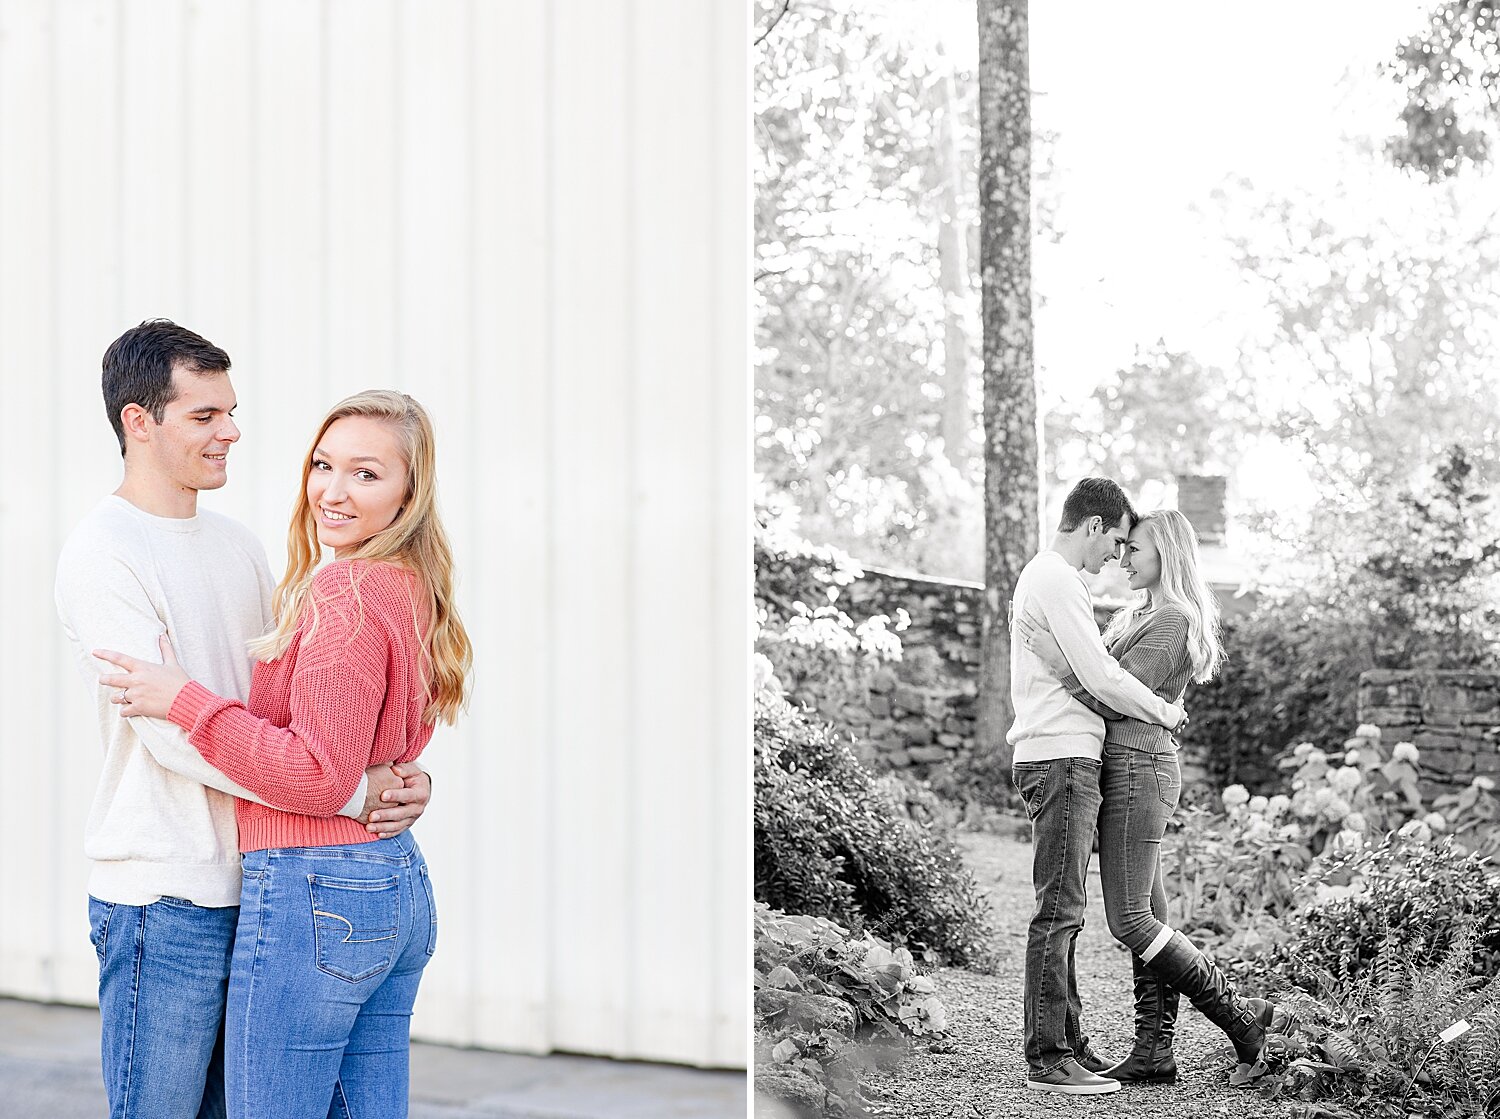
[761,38]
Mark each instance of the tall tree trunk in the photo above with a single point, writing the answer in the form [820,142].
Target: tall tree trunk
[1012,479]
[957,421]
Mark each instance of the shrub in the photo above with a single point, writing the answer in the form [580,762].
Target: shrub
[829,1005]
[1292,675]
[1397,896]
[1233,879]
[1228,882]
[829,842]
[1408,580]
[1370,1047]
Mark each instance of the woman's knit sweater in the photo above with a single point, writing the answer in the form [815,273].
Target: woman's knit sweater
[1154,650]
[347,694]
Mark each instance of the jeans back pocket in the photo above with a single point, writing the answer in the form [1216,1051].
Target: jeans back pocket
[355,924]
[1168,779]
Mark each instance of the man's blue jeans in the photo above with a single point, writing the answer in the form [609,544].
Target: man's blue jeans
[163,973]
[1062,799]
[330,948]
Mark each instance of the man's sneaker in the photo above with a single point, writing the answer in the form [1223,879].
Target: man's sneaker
[1071,1079]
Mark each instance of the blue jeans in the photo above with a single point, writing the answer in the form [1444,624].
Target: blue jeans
[1062,799]
[163,972]
[330,949]
[1141,791]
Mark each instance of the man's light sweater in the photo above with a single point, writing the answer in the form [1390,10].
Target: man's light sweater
[162,822]
[1050,723]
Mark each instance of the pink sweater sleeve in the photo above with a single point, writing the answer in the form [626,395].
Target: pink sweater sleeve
[313,765]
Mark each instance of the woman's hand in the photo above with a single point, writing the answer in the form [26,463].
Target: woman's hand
[145,688]
[1041,642]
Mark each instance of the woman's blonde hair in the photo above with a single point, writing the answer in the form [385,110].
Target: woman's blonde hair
[1183,586]
[415,540]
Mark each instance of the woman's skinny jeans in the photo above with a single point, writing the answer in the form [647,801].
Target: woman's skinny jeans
[1140,792]
[328,953]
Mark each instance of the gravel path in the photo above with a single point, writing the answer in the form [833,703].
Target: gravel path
[978,1072]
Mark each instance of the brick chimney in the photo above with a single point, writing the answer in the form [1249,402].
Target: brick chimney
[1200,498]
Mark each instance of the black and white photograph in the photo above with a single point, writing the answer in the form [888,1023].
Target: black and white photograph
[1127,650]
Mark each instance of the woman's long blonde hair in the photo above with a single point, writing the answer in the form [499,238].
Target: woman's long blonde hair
[415,540]
[1183,586]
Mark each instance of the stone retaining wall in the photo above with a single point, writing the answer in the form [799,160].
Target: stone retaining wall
[921,710]
[1453,718]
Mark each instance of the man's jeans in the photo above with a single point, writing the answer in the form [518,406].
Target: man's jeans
[1062,799]
[330,949]
[1141,791]
[163,972]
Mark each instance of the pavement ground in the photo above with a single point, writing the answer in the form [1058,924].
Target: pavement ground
[49,1069]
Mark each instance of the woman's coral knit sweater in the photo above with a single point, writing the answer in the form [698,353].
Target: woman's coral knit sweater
[343,697]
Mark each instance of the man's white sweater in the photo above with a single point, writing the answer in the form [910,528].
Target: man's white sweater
[1049,722]
[162,820]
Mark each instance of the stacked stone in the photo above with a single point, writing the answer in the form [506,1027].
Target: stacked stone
[921,710]
[1453,718]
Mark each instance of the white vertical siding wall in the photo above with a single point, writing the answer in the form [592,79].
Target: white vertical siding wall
[532,216]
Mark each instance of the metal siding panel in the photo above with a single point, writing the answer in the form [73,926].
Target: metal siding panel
[434,363]
[153,160]
[87,267]
[729,556]
[592,525]
[218,235]
[361,199]
[30,939]
[672,215]
[283,379]
[508,575]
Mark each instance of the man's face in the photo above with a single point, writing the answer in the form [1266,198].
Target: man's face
[190,445]
[1104,543]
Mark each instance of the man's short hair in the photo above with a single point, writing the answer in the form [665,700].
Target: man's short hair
[1096,497]
[138,368]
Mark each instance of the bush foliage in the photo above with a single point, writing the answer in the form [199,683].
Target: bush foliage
[830,1004]
[831,842]
[1370,914]
[1408,580]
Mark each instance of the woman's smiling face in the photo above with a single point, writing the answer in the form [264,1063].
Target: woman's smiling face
[357,482]
[1141,560]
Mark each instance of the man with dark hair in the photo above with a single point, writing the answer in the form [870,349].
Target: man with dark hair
[164,889]
[1058,745]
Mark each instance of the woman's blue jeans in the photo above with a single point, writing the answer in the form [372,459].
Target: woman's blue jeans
[1140,792]
[328,953]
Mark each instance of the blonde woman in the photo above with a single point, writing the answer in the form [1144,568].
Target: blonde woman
[1166,638]
[367,655]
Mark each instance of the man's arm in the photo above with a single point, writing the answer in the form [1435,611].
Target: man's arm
[1153,658]
[1070,617]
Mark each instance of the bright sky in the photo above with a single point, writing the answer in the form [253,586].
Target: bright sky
[1153,106]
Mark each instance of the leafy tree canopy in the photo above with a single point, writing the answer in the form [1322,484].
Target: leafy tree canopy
[1450,72]
[1381,330]
[1164,415]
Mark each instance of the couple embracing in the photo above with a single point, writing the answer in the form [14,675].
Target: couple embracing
[261,914]
[1094,747]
